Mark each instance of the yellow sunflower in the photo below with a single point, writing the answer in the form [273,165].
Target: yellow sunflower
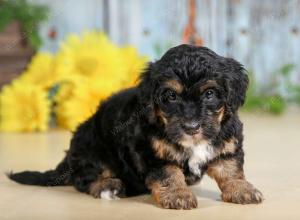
[24,107]
[86,70]
[83,102]
[93,68]
[40,71]
[134,64]
[92,56]
[67,87]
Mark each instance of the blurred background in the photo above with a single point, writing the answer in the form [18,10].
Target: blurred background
[59,58]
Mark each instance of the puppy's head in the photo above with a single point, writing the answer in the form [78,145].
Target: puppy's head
[190,91]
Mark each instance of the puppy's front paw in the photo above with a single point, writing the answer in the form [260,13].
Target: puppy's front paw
[241,192]
[177,198]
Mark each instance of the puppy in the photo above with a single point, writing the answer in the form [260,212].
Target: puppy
[179,123]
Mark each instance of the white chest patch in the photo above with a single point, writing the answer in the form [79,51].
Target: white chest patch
[201,154]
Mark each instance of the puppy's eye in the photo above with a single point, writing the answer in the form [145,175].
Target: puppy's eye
[170,95]
[209,94]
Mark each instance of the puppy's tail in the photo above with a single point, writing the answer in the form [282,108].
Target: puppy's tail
[58,177]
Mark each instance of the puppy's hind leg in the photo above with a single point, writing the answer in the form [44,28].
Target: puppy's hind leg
[107,187]
[98,182]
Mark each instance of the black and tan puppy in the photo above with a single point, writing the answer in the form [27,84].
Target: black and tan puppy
[179,123]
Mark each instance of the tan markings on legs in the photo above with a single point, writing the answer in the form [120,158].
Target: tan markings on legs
[224,170]
[229,146]
[231,180]
[170,190]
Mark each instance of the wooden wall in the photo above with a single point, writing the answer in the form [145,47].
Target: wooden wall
[262,34]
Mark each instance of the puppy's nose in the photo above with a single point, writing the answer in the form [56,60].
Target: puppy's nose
[191,127]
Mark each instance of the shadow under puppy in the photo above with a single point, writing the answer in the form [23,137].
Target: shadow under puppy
[177,124]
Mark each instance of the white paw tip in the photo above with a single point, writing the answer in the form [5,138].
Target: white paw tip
[109,195]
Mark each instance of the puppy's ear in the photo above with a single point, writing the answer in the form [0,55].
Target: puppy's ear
[146,89]
[237,85]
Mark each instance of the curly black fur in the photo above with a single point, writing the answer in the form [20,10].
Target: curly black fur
[119,136]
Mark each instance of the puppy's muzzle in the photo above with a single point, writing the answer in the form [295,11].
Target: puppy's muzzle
[191,127]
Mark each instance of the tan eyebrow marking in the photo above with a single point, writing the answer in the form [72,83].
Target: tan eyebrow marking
[208,84]
[174,84]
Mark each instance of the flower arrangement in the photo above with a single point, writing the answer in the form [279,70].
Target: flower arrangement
[69,85]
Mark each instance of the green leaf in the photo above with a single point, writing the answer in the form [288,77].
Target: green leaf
[6,15]
[276,104]
[29,15]
[286,69]
[34,39]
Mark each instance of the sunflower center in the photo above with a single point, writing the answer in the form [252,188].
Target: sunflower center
[87,65]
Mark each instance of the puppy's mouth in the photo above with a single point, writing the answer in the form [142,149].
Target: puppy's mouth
[191,138]
[188,140]
[193,132]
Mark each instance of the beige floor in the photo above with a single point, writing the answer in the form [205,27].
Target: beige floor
[272,148]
